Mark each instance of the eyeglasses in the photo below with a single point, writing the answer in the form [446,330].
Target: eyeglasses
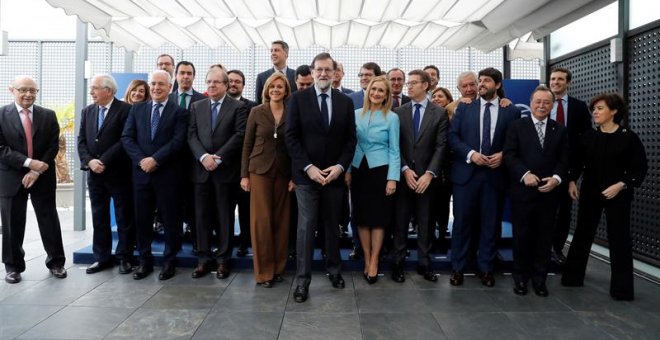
[24,91]
[360,75]
[165,64]
[413,83]
[324,70]
[96,88]
[396,80]
[235,81]
[214,82]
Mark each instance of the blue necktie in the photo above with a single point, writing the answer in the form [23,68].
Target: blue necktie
[101,117]
[324,111]
[416,118]
[485,136]
[214,114]
[155,119]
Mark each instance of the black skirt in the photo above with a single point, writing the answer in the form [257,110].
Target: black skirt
[371,207]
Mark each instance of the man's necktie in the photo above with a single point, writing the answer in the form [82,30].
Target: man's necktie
[560,112]
[101,117]
[27,128]
[324,111]
[485,136]
[540,133]
[182,101]
[214,114]
[396,102]
[155,119]
[416,118]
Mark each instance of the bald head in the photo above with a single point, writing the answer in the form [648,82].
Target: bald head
[24,89]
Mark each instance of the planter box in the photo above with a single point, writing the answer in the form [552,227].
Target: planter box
[64,195]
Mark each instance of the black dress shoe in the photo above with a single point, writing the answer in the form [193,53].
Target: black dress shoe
[125,267]
[167,272]
[13,277]
[337,281]
[292,255]
[487,279]
[398,276]
[429,275]
[142,271]
[520,288]
[540,289]
[558,257]
[97,267]
[456,278]
[278,278]
[200,271]
[58,272]
[300,294]
[223,271]
[241,252]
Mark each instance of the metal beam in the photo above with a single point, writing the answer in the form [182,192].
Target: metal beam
[622,67]
[79,180]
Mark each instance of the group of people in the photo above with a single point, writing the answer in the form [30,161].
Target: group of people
[294,156]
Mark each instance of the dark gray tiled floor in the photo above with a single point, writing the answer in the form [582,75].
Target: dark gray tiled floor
[110,305]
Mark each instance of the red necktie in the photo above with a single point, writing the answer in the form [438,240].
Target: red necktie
[560,112]
[396,101]
[27,127]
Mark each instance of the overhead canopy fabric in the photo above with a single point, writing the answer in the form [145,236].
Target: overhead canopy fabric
[455,24]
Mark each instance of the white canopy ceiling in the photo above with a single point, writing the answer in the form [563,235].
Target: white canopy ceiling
[455,24]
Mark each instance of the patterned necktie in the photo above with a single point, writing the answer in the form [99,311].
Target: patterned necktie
[324,111]
[416,118]
[101,117]
[155,119]
[214,114]
[560,112]
[540,132]
[485,136]
[27,128]
[182,102]
[396,101]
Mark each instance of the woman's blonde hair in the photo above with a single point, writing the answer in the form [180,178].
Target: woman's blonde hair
[387,103]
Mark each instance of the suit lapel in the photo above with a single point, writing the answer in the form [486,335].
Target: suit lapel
[405,121]
[317,110]
[533,134]
[426,120]
[204,118]
[225,108]
[37,119]
[15,121]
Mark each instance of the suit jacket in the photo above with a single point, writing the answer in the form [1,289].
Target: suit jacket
[523,152]
[404,99]
[174,97]
[260,147]
[579,121]
[358,98]
[429,149]
[225,139]
[13,149]
[345,91]
[248,104]
[378,141]
[166,147]
[464,136]
[261,80]
[104,144]
[310,142]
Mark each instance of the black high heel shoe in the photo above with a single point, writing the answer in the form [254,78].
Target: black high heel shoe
[370,279]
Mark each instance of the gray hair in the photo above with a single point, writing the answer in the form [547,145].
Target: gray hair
[107,81]
[163,72]
[464,75]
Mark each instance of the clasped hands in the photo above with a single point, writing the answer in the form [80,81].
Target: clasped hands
[532,180]
[324,176]
[36,167]
[416,183]
[493,161]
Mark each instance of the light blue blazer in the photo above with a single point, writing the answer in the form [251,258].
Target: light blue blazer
[378,140]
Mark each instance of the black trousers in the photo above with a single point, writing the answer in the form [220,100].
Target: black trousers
[563,222]
[617,216]
[409,204]
[13,212]
[215,203]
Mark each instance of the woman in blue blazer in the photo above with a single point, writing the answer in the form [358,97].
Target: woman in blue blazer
[375,169]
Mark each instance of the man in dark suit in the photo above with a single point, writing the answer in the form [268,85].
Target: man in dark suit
[536,156]
[279,53]
[423,146]
[165,62]
[574,114]
[476,136]
[28,145]
[101,153]
[367,72]
[215,135]
[320,137]
[185,95]
[153,138]
[397,78]
[336,81]
[235,90]
[304,77]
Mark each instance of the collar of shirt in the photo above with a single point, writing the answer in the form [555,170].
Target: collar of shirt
[189,93]
[107,106]
[220,101]
[20,108]
[424,103]
[283,70]
[153,104]
[318,91]
[495,102]
[545,120]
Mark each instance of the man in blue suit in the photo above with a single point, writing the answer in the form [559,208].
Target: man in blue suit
[279,53]
[320,137]
[367,72]
[477,136]
[153,138]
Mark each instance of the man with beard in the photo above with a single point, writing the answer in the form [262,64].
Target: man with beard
[477,174]
[320,137]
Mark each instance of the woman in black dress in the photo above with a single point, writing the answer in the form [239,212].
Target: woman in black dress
[611,160]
